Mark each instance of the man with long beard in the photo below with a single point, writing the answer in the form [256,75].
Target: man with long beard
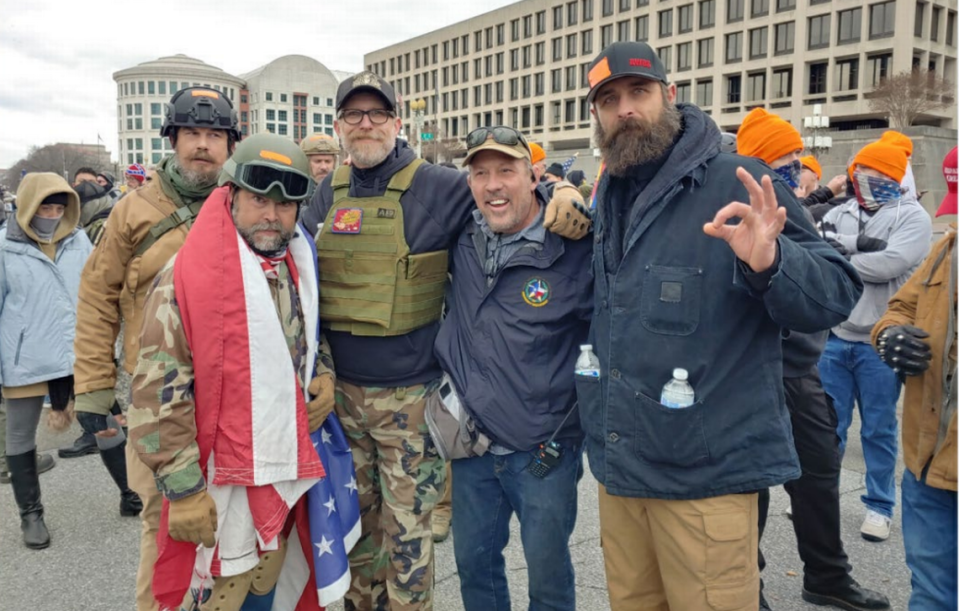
[145,229]
[683,294]
[388,223]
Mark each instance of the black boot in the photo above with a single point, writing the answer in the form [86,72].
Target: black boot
[26,491]
[115,460]
[84,444]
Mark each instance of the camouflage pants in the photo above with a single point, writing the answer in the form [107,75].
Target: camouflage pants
[399,477]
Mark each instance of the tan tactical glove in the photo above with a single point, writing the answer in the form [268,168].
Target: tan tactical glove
[566,215]
[193,519]
[322,390]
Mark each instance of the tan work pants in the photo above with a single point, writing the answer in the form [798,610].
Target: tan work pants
[664,555]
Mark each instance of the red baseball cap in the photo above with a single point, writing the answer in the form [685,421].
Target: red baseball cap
[951,174]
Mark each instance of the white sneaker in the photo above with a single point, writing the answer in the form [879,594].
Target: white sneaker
[789,511]
[875,527]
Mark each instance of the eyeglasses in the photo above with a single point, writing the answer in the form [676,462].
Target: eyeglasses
[378,116]
[261,179]
[501,135]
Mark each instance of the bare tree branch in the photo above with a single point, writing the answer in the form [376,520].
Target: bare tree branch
[56,158]
[906,96]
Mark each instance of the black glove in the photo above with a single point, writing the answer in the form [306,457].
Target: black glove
[839,247]
[867,244]
[902,348]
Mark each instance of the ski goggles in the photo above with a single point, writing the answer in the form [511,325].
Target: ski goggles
[261,179]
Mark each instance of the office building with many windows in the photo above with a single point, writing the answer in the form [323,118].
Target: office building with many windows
[292,96]
[525,65]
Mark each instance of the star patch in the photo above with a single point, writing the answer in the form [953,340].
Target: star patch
[347,220]
[536,292]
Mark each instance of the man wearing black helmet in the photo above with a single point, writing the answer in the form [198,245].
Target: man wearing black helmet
[146,229]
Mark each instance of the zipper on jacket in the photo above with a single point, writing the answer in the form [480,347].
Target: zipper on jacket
[16,358]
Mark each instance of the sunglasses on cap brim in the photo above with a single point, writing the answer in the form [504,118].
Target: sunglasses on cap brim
[506,136]
[261,179]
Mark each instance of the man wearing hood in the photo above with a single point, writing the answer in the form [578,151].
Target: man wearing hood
[95,206]
[391,212]
[885,235]
[146,228]
[677,288]
[108,182]
[42,253]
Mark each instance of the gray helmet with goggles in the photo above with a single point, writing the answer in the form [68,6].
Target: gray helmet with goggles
[270,165]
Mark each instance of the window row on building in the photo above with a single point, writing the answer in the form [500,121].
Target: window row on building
[165,88]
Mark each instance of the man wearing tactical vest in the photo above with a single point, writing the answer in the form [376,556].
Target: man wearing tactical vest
[146,228]
[384,227]
[321,151]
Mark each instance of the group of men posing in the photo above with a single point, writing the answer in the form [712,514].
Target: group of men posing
[696,259]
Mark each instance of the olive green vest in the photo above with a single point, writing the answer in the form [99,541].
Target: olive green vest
[370,284]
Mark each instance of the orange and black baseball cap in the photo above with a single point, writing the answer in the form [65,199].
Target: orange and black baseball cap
[624,59]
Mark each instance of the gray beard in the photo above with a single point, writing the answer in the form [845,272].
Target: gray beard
[636,142]
[267,247]
[366,158]
[192,180]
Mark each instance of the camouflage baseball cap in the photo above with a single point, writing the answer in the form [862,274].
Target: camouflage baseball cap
[319,144]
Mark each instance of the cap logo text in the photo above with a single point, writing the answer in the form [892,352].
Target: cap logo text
[642,63]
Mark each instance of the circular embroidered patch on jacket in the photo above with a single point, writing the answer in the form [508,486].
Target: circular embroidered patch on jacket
[536,292]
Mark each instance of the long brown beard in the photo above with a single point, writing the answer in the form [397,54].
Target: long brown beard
[634,141]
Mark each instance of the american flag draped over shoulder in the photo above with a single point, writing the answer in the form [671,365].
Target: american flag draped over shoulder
[569,163]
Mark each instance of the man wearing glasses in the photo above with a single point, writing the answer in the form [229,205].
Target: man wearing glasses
[518,310]
[387,224]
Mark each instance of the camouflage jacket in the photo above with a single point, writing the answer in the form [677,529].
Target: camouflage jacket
[161,419]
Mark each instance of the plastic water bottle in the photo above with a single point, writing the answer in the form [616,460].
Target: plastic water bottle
[587,364]
[678,393]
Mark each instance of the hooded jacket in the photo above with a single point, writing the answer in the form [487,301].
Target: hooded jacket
[436,208]
[38,292]
[94,201]
[905,229]
[678,298]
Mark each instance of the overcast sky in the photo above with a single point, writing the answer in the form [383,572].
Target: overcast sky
[57,58]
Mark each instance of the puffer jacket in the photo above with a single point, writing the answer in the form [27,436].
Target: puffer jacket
[928,421]
[115,284]
[38,295]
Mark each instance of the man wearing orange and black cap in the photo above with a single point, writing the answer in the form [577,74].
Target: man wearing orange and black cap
[815,495]
[885,236]
[682,295]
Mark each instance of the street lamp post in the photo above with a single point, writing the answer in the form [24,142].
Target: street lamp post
[816,126]
[418,107]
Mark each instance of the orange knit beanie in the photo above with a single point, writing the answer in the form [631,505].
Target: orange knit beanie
[890,159]
[766,136]
[810,162]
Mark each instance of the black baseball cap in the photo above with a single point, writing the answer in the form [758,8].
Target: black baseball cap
[624,59]
[365,82]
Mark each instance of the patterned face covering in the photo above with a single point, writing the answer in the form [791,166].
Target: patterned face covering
[873,192]
[790,173]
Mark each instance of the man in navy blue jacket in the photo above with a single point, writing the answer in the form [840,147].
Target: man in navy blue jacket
[518,309]
[686,279]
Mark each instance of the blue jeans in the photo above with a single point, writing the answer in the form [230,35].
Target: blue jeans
[486,492]
[853,373]
[929,536]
